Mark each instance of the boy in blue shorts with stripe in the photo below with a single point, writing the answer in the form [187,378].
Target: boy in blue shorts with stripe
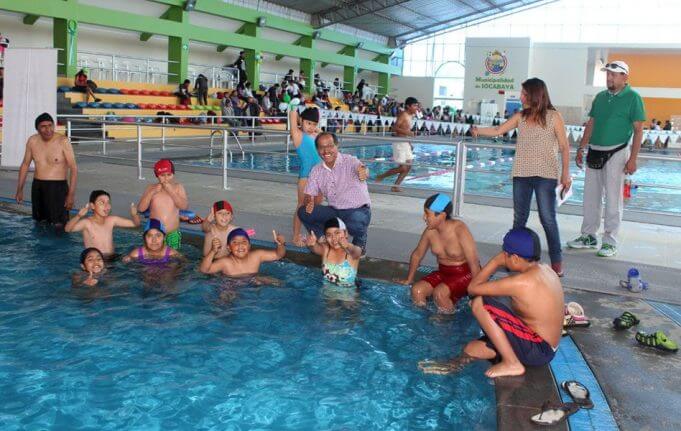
[528,332]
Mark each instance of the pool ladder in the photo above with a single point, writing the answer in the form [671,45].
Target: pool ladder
[229,149]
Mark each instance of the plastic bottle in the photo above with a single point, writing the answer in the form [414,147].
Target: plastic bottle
[627,187]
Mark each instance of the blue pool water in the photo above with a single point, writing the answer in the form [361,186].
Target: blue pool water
[488,172]
[139,356]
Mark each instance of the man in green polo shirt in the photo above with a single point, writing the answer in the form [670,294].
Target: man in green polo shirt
[616,115]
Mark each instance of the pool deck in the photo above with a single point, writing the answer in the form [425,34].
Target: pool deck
[640,385]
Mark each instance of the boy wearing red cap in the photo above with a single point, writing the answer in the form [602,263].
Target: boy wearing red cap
[527,332]
[217,226]
[165,200]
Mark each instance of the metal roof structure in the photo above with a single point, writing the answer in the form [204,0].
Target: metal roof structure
[405,20]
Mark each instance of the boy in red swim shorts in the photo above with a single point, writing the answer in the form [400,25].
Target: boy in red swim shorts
[452,244]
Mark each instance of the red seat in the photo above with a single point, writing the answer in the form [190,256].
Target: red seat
[142,106]
[144,92]
[184,107]
[165,93]
[134,92]
[155,93]
[152,106]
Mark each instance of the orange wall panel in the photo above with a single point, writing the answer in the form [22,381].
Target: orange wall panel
[651,70]
[661,109]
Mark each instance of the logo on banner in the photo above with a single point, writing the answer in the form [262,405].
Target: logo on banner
[495,63]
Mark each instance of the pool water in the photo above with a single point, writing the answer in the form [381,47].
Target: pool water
[137,355]
[488,172]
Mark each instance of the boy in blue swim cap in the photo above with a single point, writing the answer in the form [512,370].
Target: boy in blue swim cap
[528,332]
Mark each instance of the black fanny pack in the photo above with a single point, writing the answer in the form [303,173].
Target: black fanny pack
[596,159]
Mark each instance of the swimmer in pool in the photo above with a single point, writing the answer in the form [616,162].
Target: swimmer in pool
[218,225]
[457,255]
[339,257]
[527,332]
[92,266]
[154,251]
[164,200]
[98,229]
[241,261]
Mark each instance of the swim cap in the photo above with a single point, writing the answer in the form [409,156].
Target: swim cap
[237,232]
[310,114]
[440,203]
[153,223]
[222,205]
[84,253]
[43,117]
[334,222]
[164,166]
[523,242]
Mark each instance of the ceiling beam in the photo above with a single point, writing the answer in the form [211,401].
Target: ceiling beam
[345,11]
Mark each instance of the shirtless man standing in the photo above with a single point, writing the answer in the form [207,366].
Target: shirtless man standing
[51,195]
[164,201]
[529,331]
[453,245]
[402,151]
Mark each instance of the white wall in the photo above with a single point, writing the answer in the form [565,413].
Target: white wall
[415,86]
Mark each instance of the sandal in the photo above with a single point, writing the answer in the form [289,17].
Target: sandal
[552,414]
[576,321]
[578,392]
[625,321]
[657,340]
[195,220]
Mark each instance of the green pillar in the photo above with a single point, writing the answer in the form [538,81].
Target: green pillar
[307,65]
[383,78]
[350,72]
[178,49]
[253,56]
[65,38]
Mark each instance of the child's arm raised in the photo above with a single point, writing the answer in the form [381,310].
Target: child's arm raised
[126,222]
[78,223]
[208,221]
[207,265]
[352,250]
[416,258]
[272,255]
[314,246]
[296,132]
[177,194]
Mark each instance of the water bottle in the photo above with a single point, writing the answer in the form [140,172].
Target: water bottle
[627,187]
[634,280]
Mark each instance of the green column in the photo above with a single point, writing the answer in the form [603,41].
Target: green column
[350,72]
[178,49]
[253,56]
[65,38]
[307,65]
[383,78]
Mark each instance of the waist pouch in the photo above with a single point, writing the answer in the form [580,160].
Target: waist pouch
[596,159]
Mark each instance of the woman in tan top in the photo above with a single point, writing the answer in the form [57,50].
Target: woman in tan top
[536,169]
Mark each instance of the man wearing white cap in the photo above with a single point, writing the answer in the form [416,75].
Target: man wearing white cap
[616,115]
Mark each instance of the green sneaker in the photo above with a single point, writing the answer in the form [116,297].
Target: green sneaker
[657,340]
[607,250]
[584,241]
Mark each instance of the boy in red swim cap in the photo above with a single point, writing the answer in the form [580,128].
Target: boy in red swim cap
[217,226]
[164,201]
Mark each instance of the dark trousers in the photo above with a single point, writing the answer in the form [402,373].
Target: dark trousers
[202,96]
[545,192]
[356,219]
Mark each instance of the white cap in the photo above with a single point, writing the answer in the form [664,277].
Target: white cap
[616,66]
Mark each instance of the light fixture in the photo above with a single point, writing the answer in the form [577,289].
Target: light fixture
[261,21]
[189,5]
[360,45]
[316,34]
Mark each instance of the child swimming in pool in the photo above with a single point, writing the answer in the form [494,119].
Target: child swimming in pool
[528,332]
[241,261]
[452,244]
[340,258]
[154,251]
[164,201]
[98,229]
[92,266]
[218,225]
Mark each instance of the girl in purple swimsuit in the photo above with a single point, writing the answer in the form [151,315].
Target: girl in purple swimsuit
[154,251]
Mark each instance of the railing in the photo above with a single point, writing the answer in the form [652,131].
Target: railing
[462,158]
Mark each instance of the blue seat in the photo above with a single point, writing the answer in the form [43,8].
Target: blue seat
[93,105]
[119,105]
[64,88]
[131,106]
[114,91]
[107,105]
[80,105]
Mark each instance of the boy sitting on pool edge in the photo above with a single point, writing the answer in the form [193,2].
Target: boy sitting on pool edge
[164,201]
[527,333]
[98,229]
[241,261]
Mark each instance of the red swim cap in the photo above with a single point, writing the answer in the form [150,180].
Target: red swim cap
[222,205]
[164,166]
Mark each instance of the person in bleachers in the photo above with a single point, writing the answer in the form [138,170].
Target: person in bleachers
[272,94]
[247,91]
[2,80]
[302,82]
[201,88]
[239,64]
[228,111]
[183,93]
[318,84]
[84,85]
[289,75]
[667,125]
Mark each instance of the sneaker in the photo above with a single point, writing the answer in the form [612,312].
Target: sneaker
[584,241]
[607,250]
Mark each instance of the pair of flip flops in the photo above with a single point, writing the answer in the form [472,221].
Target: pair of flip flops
[574,316]
[552,413]
[657,340]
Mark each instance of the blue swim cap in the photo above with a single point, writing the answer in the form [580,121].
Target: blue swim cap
[440,203]
[522,242]
[237,232]
[153,223]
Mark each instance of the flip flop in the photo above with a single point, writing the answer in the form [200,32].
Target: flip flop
[552,414]
[626,321]
[578,392]
[657,340]
[570,321]
[574,309]
[195,220]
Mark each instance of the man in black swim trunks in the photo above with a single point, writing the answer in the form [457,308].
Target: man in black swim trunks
[51,195]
